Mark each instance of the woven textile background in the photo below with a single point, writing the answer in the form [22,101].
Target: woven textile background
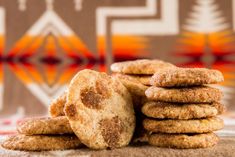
[43,43]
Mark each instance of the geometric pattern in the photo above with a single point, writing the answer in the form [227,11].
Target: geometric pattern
[208,41]
[40,42]
[42,39]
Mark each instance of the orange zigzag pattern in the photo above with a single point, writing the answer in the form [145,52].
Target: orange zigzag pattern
[192,45]
[28,45]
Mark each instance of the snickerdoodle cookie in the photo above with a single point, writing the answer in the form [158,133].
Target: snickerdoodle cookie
[100,110]
[140,66]
[56,107]
[143,79]
[184,126]
[174,77]
[198,94]
[184,141]
[164,110]
[134,86]
[41,142]
[37,126]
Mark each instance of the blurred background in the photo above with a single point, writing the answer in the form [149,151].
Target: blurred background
[43,43]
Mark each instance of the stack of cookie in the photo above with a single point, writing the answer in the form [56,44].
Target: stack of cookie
[135,75]
[182,108]
[37,134]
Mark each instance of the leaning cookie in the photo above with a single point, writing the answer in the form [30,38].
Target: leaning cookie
[201,94]
[184,126]
[40,126]
[100,111]
[174,77]
[163,110]
[134,86]
[184,141]
[41,142]
[140,66]
[56,107]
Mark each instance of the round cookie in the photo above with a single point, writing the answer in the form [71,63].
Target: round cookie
[164,110]
[200,94]
[140,66]
[220,108]
[56,107]
[175,77]
[184,126]
[41,142]
[134,86]
[184,141]
[143,79]
[40,126]
[100,111]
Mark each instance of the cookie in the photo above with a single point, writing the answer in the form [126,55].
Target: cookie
[184,126]
[220,108]
[143,79]
[41,142]
[184,141]
[175,77]
[134,86]
[37,126]
[56,107]
[201,94]
[100,111]
[140,66]
[164,110]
